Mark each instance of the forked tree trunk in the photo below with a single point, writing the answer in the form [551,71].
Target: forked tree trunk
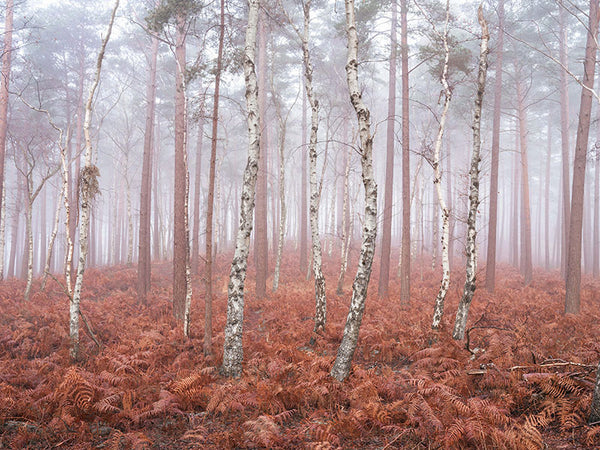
[343,360]
[405,249]
[386,239]
[471,247]
[490,269]
[573,279]
[438,309]
[89,189]
[233,353]
[144,256]
[207,342]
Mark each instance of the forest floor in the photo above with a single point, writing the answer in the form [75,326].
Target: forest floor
[525,383]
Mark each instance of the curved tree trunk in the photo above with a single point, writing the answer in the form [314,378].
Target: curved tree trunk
[471,247]
[89,188]
[232,348]
[343,360]
[438,309]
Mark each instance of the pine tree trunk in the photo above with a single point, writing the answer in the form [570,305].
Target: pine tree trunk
[564,131]
[462,313]
[232,348]
[405,249]
[207,343]
[343,360]
[386,239]
[490,270]
[4,86]
[526,259]
[546,244]
[144,256]
[261,245]
[573,278]
[2,232]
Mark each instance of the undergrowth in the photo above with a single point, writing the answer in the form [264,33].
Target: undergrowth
[524,382]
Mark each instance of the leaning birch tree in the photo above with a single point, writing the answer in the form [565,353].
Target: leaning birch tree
[233,353]
[315,191]
[471,247]
[88,185]
[343,360]
[438,309]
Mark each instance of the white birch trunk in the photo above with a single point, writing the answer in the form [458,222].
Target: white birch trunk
[87,182]
[345,231]
[282,218]
[52,239]
[232,348]
[341,366]
[471,247]
[438,310]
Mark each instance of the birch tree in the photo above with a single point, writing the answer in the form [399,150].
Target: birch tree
[88,185]
[471,247]
[343,360]
[438,310]
[233,353]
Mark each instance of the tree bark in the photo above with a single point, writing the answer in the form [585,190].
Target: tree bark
[144,255]
[343,360]
[564,132]
[462,313]
[490,270]
[526,259]
[195,257]
[386,238]
[4,86]
[438,309]
[596,211]
[180,243]
[261,245]
[89,188]
[573,278]
[547,240]
[207,343]
[232,348]
[405,249]
[303,265]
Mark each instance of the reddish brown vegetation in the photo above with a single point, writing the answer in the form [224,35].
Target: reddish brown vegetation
[150,388]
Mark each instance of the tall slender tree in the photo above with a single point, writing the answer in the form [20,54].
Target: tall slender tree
[4,86]
[573,278]
[405,249]
[490,270]
[471,247]
[343,360]
[386,239]
[144,256]
[207,345]
[233,353]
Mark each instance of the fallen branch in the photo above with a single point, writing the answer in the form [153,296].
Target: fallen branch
[553,364]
